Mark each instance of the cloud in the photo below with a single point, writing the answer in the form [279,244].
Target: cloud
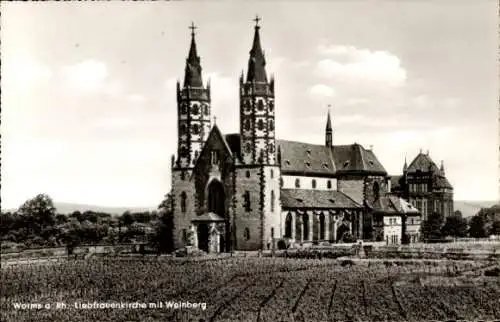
[347,63]
[113,122]
[24,72]
[321,91]
[87,75]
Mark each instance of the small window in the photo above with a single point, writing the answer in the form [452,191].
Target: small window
[196,154]
[260,105]
[271,148]
[214,157]
[297,183]
[246,201]
[205,107]
[272,174]
[247,125]
[281,182]
[271,106]
[246,234]
[313,183]
[248,105]
[183,108]
[183,129]
[247,174]
[329,184]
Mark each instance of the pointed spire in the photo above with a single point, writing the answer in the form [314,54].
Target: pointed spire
[441,169]
[329,131]
[405,166]
[257,62]
[192,76]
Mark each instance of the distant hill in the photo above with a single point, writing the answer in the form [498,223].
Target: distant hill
[67,208]
[470,208]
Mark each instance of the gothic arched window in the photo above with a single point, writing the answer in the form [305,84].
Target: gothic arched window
[247,174]
[183,129]
[184,151]
[313,183]
[271,148]
[321,226]
[183,201]
[329,184]
[271,105]
[196,129]
[272,174]
[205,107]
[248,148]
[260,105]
[183,108]
[260,125]
[376,190]
[288,225]
[247,125]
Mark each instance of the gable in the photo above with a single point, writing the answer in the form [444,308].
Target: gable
[215,142]
[422,162]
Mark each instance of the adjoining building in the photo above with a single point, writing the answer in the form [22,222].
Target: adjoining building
[425,186]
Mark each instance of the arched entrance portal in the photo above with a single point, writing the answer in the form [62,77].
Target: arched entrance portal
[203,236]
[216,198]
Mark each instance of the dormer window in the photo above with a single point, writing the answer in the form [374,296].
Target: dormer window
[325,165]
[332,200]
[308,164]
[299,200]
[371,163]
[308,153]
[346,164]
[287,162]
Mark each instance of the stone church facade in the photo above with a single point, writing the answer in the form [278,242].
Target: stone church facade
[244,191]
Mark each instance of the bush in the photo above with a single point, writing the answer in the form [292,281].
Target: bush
[283,244]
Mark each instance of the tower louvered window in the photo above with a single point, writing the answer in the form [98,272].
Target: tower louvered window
[260,125]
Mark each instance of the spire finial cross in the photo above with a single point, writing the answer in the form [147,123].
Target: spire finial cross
[257,19]
[215,119]
[193,28]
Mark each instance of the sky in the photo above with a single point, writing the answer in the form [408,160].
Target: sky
[89,104]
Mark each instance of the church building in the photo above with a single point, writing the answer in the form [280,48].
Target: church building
[245,190]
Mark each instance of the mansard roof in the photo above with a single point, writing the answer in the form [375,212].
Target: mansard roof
[391,204]
[424,163]
[324,199]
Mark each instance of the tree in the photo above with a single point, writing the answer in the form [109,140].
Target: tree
[477,227]
[431,228]
[455,226]
[495,228]
[38,213]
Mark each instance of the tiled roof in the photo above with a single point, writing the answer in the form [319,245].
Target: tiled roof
[355,158]
[393,205]
[442,182]
[233,140]
[305,158]
[424,163]
[301,198]
[319,159]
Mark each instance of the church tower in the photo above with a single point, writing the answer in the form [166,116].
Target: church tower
[257,209]
[193,110]
[257,126]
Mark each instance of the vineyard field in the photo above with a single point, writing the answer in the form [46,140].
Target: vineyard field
[251,289]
